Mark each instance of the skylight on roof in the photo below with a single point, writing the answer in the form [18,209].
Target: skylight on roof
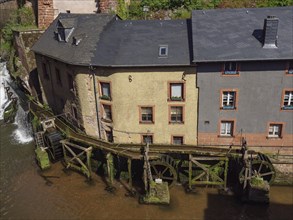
[163,50]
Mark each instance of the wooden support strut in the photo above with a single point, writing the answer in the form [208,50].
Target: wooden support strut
[129,173]
[73,157]
[208,171]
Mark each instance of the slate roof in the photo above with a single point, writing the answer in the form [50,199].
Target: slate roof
[87,27]
[136,43]
[106,41]
[234,34]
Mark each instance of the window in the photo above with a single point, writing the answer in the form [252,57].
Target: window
[163,51]
[70,82]
[176,114]
[74,112]
[275,130]
[287,100]
[148,138]
[227,128]
[64,29]
[231,68]
[107,112]
[176,91]
[177,140]
[146,115]
[228,100]
[109,135]
[58,77]
[105,91]
[45,71]
[290,68]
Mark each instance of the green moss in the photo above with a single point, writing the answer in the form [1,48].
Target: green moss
[257,181]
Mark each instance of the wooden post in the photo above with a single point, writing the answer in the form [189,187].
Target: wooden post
[129,173]
[190,172]
[225,173]
[110,167]
[88,159]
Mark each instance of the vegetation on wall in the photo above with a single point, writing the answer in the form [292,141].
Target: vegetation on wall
[162,9]
[21,19]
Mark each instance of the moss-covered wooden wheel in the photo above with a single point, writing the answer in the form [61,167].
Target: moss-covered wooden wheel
[54,147]
[260,167]
[164,169]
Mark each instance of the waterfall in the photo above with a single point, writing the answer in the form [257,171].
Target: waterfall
[22,133]
[4,77]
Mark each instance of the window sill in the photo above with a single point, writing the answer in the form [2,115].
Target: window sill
[226,136]
[274,137]
[176,100]
[230,73]
[107,120]
[107,98]
[146,122]
[177,123]
[286,108]
[228,108]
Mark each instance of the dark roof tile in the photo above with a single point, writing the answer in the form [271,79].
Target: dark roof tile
[235,34]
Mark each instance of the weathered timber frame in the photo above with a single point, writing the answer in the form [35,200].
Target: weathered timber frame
[211,178]
[75,161]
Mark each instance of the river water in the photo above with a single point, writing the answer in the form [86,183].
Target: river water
[28,193]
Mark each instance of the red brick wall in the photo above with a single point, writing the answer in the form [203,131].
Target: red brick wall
[252,140]
[106,6]
[45,13]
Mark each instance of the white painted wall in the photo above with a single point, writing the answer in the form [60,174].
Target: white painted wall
[75,6]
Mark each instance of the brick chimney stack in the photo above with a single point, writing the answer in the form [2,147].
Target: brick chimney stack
[106,6]
[45,13]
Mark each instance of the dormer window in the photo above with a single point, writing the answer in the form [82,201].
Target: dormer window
[230,68]
[163,51]
[65,28]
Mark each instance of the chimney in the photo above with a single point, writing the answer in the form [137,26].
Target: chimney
[270,31]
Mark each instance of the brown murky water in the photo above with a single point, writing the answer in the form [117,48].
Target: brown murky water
[25,194]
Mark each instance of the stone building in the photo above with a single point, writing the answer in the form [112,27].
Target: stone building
[245,76]
[120,80]
[208,80]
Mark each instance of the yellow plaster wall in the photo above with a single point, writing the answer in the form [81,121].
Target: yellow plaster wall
[150,87]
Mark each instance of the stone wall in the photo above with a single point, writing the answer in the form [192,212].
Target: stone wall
[6,8]
[24,63]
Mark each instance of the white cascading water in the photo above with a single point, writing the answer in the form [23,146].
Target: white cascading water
[4,76]
[23,133]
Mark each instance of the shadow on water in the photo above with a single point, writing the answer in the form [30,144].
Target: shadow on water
[229,207]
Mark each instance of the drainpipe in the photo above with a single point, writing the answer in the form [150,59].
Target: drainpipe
[96,100]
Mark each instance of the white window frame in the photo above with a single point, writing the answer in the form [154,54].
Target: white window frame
[179,137]
[161,49]
[275,130]
[177,114]
[146,115]
[175,97]
[105,86]
[227,127]
[288,98]
[230,98]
